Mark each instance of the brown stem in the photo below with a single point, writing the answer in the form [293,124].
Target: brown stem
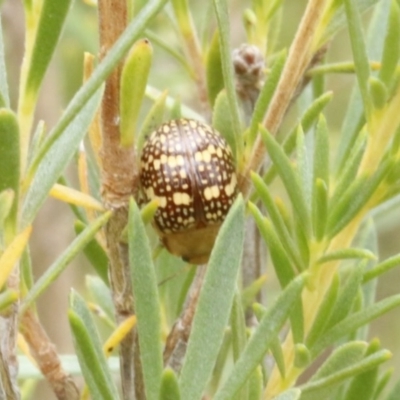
[175,347]
[299,58]
[45,354]
[119,180]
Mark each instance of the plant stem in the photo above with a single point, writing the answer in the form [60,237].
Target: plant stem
[119,178]
[300,55]
[45,354]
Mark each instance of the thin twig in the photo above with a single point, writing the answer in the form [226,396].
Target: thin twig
[175,347]
[45,354]
[119,178]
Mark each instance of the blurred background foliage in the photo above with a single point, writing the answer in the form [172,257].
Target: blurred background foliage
[55,222]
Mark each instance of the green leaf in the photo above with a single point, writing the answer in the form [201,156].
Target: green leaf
[221,11]
[256,385]
[362,386]
[261,339]
[238,327]
[169,386]
[348,172]
[214,75]
[89,350]
[314,389]
[153,119]
[8,297]
[321,151]
[9,152]
[344,254]
[291,394]
[276,217]
[134,75]
[55,160]
[54,271]
[303,167]
[391,51]
[277,352]
[324,312]
[347,295]
[222,120]
[145,296]
[302,357]
[265,96]
[354,120]
[282,265]
[6,203]
[356,197]
[52,18]
[378,92]
[381,268]
[319,208]
[338,20]
[94,253]
[354,321]
[289,178]
[105,67]
[5,100]
[359,53]
[214,304]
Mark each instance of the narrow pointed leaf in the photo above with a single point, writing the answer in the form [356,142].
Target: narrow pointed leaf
[9,152]
[324,312]
[354,321]
[95,253]
[355,198]
[52,18]
[214,305]
[134,76]
[169,386]
[276,217]
[54,271]
[281,262]
[378,92]
[214,75]
[320,208]
[347,295]
[359,52]
[321,151]
[289,178]
[261,339]
[153,119]
[306,122]
[89,350]
[221,11]
[256,384]
[391,50]
[314,388]
[265,96]
[222,120]
[57,158]
[345,254]
[381,268]
[145,296]
[363,385]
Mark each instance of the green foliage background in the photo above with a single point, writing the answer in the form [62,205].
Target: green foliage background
[54,227]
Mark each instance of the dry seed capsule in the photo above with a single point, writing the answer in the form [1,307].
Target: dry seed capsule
[189,168]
